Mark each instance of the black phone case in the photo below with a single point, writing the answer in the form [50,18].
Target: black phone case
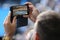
[21,21]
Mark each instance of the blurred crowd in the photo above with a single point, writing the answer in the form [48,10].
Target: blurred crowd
[48,5]
[41,5]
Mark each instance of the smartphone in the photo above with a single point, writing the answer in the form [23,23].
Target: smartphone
[19,11]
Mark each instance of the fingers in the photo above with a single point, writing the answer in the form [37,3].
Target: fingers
[26,16]
[29,3]
[31,6]
[14,20]
[7,19]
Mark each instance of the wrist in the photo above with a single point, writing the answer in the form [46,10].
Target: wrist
[7,38]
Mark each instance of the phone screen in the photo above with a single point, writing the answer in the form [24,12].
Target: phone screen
[20,10]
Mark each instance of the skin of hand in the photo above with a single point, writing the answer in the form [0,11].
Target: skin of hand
[9,27]
[33,12]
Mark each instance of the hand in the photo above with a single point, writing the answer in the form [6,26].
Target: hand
[33,12]
[9,27]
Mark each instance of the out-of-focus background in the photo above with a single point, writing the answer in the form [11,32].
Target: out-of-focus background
[41,5]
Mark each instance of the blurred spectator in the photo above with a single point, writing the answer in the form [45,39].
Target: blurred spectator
[48,5]
[41,7]
[57,7]
[46,27]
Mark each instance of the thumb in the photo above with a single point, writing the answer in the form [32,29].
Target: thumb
[14,20]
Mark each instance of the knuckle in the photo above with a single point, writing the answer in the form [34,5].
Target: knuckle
[6,23]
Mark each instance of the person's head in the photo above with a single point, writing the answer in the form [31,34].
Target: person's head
[48,25]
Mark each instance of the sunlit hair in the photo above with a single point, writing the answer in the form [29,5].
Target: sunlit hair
[48,25]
